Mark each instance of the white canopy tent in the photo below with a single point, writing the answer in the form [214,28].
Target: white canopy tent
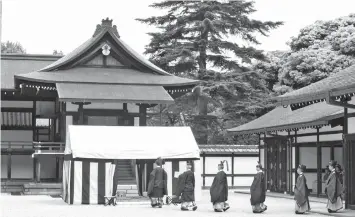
[91,150]
[117,142]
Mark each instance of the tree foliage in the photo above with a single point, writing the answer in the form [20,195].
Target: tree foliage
[58,53]
[193,41]
[319,50]
[12,47]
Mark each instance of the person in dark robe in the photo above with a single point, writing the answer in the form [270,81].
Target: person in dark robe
[157,186]
[301,192]
[186,189]
[327,173]
[219,189]
[333,190]
[340,173]
[257,191]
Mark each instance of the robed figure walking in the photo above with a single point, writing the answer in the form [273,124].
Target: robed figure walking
[257,191]
[219,189]
[301,192]
[157,186]
[186,189]
[333,189]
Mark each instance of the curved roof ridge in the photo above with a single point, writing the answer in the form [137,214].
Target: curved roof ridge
[76,52]
[99,33]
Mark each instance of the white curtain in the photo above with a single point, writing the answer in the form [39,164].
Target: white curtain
[110,170]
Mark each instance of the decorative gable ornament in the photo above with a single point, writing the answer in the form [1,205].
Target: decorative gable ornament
[106,50]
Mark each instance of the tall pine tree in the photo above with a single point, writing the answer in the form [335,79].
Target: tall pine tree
[195,33]
[194,40]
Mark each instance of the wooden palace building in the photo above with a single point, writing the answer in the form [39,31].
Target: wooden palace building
[101,82]
[312,126]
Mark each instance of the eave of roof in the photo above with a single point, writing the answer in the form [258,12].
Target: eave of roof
[13,64]
[228,149]
[282,118]
[337,85]
[107,76]
[69,92]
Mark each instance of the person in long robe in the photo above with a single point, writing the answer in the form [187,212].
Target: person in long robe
[327,173]
[258,191]
[301,192]
[333,190]
[157,186]
[219,189]
[340,173]
[186,189]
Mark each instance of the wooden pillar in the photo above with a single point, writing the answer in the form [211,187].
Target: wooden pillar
[233,169]
[38,171]
[142,115]
[319,165]
[34,137]
[266,166]
[204,169]
[297,156]
[161,114]
[9,162]
[346,160]
[57,169]
[81,113]
[289,157]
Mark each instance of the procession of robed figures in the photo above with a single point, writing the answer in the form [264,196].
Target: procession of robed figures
[185,189]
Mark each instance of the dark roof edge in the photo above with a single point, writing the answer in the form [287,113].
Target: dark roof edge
[315,97]
[190,83]
[45,57]
[319,122]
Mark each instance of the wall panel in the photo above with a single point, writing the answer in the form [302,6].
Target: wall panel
[16,104]
[308,157]
[245,165]
[4,159]
[17,135]
[48,169]
[21,167]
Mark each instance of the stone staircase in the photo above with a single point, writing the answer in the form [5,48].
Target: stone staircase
[125,174]
[127,184]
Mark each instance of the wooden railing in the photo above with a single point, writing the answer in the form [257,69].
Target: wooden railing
[18,147]
[40,147]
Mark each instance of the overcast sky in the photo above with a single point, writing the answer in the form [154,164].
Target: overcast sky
[42,26]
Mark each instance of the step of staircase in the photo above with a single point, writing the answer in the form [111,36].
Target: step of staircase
[42,189]
[129,190]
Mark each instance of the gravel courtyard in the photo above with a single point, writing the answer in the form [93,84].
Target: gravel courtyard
[46,206]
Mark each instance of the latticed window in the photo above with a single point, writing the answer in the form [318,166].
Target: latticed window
[12,118]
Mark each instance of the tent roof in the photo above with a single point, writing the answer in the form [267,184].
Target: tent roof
[117,142]
[339,84]
[282,118]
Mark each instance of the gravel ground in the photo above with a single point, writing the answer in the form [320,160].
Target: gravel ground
[46,206]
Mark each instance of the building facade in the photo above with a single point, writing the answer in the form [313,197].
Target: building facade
[102,82]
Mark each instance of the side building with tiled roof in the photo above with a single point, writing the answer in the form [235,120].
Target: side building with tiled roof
[311,135]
